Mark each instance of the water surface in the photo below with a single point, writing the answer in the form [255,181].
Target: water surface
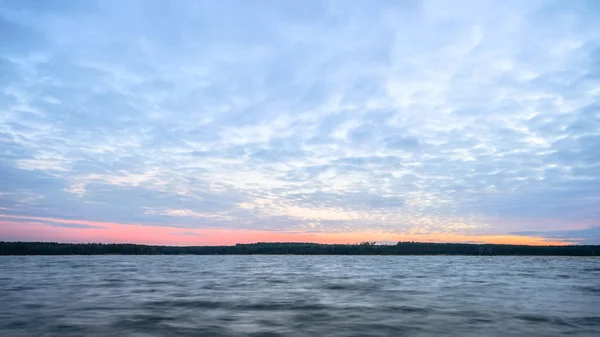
[299,296]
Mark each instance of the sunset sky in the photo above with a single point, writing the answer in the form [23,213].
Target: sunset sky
[221,122]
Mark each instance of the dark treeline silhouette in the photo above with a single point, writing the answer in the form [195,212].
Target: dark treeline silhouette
[365,248]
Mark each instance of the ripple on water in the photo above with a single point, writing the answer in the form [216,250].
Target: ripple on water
[553,320]
[591,269]
[298,296]
[591,289]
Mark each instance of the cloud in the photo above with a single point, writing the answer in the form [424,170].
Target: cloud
[74,226]
[187,234]
[27,221]
[413,117]
[581,236]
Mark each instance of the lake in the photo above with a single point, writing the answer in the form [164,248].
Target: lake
[299,296]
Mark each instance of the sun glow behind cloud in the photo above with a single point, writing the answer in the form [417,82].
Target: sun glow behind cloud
[50,229]
[295,120]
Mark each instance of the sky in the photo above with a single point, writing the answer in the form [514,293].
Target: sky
[223,122]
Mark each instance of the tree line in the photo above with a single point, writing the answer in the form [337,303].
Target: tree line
[279,248]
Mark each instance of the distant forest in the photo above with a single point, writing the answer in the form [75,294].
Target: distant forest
[365,248]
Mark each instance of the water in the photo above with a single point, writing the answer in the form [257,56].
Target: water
[299,296]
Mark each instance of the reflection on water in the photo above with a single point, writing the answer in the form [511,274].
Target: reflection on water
[299,296]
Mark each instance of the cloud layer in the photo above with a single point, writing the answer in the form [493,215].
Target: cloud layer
[413,118]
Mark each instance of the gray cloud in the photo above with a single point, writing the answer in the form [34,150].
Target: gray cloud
[590,236]
[186,234]
[66,225]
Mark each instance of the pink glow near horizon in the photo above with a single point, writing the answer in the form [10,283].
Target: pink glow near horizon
[37,229]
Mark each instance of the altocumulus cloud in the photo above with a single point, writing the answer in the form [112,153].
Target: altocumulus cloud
[413,117]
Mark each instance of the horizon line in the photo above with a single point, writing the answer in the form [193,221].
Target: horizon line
[367,243]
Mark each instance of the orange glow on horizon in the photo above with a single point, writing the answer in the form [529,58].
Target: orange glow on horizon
[35,229]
